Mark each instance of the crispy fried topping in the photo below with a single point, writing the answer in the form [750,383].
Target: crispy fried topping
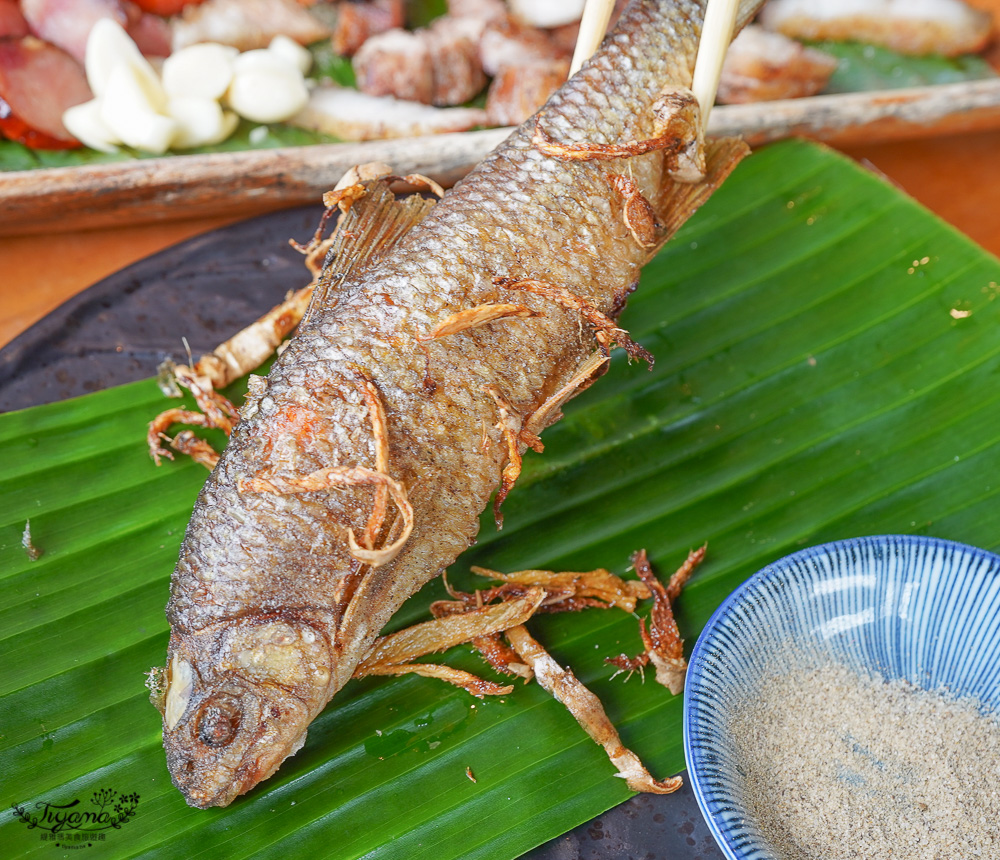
[662,640]
[511,425]
[477,316]
[607,332]
[376,416]
[564,590]
[676,127]
[594,151]
[343,476]
[588,711]
[186,442]
[638,215]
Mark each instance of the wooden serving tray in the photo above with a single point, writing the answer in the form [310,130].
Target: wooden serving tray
[188,186]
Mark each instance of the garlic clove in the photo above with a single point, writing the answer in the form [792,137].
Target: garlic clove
[84,122]
[136,84]
[264,61]
[266,87]
[107,45]
[230,119]
[292,51]
[546,13]
[148,131]
[202,71]
[130,108]
[199,121]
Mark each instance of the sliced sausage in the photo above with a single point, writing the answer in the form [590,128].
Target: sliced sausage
[38,82]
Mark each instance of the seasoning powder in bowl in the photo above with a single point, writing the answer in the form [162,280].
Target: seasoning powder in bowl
[839,765]
[843,704]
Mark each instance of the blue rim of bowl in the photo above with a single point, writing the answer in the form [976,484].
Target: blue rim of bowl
[752,582]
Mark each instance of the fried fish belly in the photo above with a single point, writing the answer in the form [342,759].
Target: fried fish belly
[359,467]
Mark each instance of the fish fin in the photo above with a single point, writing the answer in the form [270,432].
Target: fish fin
[478,687]
[374,221]
[431,637]
[589,371]
[158,427]
[186,442]
[217,412]
[394,654]
[250,347]
[570,591]
[677,201]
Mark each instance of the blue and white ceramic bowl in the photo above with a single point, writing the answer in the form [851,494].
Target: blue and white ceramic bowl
[913,608]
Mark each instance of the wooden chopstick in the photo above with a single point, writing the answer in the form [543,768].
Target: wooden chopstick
[593,26]
[716,34]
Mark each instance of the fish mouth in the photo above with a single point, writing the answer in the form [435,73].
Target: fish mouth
[237,699]
[217,786]
[223,733]
[228,741]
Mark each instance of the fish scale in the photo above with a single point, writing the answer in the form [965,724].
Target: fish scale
[270,609]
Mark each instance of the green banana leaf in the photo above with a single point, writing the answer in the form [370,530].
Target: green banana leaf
[872,67]
[828,365]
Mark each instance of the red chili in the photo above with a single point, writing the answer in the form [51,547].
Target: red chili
[164,7]
[16,129]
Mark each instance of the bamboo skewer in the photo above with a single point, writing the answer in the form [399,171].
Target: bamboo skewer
[716,34]
[593,26]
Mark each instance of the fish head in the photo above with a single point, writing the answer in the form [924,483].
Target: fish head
[237,699]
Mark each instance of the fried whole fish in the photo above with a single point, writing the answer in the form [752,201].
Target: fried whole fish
[359,467]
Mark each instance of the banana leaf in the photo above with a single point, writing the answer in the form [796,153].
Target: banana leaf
[873,67]
[828,365]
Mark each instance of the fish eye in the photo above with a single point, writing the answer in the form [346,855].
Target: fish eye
[218,721]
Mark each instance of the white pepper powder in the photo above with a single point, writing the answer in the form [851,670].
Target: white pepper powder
[839,765]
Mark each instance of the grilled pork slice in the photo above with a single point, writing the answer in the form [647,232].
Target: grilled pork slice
[948,27]
[518,91]
[358,21]
[246,24]
[396,63]
[351,115]
[38,81]
[151,33]
[505,42]
[458,72]
[483,10]
[764,66]
[436,65]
